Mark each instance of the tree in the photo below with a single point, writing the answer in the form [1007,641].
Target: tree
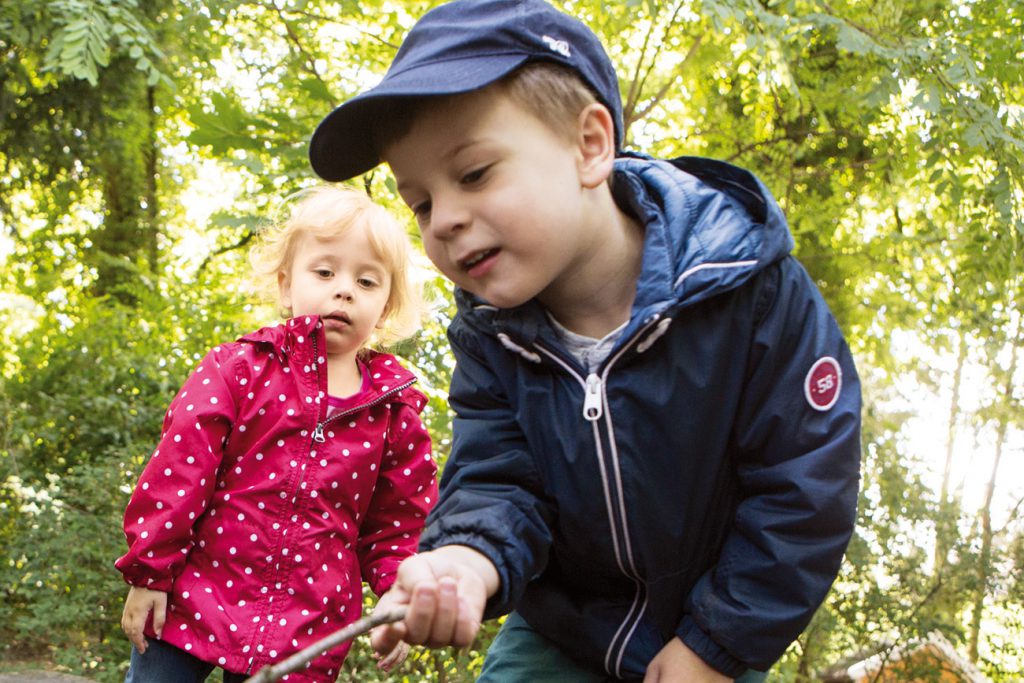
[890,133]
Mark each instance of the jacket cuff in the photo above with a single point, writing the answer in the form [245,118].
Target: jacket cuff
[383,585]
[140,578]
[713,654]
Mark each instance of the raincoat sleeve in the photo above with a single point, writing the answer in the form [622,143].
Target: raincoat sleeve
[491,495]
[403,495]
[797,448]
[179,480]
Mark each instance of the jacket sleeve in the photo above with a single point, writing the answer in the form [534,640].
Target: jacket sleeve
[177,483]
[797,448]
[403,495]
[491,496]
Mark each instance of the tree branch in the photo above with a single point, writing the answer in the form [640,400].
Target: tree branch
[660,95]
[297,44]
[246,238]
[302,657]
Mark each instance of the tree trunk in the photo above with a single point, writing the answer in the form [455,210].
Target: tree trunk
[945,526]
[124,247]
[984,571]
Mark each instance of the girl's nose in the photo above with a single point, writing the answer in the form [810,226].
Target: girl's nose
[343,291]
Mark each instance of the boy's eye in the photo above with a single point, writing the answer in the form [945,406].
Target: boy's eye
[421,211]
[474,176]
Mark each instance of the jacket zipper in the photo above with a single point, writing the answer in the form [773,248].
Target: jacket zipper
[318,437]
[318,431]
[593,410]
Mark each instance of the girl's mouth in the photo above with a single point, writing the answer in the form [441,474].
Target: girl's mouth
[339,317]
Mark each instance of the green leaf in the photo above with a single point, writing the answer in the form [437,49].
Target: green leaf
[852,40]
[317,89]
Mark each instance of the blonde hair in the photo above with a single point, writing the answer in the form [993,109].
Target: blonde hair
[331,211]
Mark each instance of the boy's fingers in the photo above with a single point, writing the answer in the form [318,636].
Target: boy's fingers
[467,626]
[472,599]
[412,572]
[420,617]
[446,614]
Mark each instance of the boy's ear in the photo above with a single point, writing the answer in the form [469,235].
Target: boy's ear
[596,139]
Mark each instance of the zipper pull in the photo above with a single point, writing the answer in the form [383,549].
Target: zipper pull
[318,433]
[592,398]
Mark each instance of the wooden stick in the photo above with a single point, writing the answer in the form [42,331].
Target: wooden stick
[298,660]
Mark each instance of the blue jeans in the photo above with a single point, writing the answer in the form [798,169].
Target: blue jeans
[163,663]
[521,655]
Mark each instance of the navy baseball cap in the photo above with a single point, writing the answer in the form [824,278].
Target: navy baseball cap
[457,48]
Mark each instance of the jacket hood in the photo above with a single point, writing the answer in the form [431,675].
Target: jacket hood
[709,227]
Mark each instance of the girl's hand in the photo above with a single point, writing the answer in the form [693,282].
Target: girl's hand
[388,660]
[676,662]
[394,658]
[137,606]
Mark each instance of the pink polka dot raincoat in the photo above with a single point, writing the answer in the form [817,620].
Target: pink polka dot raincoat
[260,516]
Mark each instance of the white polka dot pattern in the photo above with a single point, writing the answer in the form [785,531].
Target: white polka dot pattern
[259,534]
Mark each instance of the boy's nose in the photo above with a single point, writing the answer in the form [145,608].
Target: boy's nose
[446,218]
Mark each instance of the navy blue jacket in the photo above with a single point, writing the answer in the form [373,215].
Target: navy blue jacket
[700,483]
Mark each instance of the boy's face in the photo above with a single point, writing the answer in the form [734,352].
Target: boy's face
[497,195]
[342,279]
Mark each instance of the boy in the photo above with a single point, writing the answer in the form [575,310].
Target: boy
[655,454]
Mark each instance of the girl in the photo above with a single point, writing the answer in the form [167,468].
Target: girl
[292,465]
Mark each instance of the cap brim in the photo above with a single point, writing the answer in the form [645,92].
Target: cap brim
[342,145]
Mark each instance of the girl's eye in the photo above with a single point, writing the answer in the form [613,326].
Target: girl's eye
[367,282]
[323,272]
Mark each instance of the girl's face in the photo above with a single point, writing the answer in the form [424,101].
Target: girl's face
[341,279]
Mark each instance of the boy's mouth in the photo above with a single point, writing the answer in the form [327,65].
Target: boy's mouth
[476,258]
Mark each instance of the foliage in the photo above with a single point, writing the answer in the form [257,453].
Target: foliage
[76,431]
[891,133]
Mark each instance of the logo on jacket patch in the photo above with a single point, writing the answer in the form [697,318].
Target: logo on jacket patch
[821,387]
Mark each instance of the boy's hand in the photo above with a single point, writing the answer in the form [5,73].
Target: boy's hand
[678,663]
[445,591]
[137,606]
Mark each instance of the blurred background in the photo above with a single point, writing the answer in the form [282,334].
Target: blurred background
[143,143]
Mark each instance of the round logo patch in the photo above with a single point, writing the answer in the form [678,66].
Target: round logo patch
[823,383]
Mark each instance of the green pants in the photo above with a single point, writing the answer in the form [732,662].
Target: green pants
[521,655]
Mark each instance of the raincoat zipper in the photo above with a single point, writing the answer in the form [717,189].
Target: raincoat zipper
[318,437]
[318,431]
